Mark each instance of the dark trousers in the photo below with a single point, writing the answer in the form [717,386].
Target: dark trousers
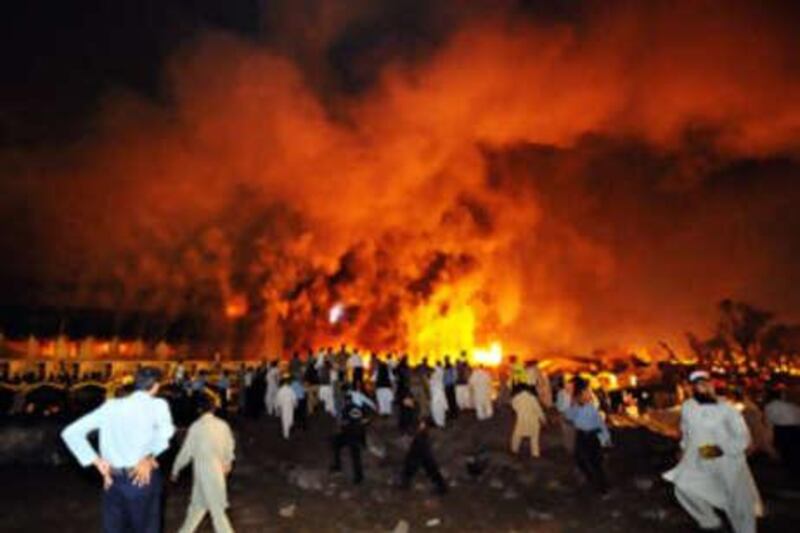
[589,456]
[452,405]
[421,455]
[301,413]
[131,509]
[406,418]
[358,377]
[787,442]
[353,441]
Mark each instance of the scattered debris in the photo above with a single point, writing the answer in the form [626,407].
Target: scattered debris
[401,527]
[287,511]
[307,478]
[656,515]
[533,514]
[510,494]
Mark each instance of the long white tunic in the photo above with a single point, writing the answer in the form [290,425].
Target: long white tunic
[209,445]
[724,482]
[271,394]
[480,382]
[438,397]
[286,402]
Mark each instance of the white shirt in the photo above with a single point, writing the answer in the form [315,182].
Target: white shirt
[130,428]
[355,361]
[782,413]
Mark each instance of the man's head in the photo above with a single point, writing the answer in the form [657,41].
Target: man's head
[147,379]
[702,388]
[205,404]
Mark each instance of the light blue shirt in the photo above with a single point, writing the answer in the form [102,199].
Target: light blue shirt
[587,418]
[130,428]
[299,390]
[361,400]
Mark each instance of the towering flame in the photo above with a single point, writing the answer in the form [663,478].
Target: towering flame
[521,185]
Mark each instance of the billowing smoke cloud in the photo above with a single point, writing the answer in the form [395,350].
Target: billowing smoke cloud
[595,181]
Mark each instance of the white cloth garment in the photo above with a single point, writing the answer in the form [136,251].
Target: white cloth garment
[539,379]
[530,417]
[463,399]
[271,394]
[480,383]
[286,402]
[326,397]
[782,413]
[209,446]
[724,482]
[385,399]
[438,397]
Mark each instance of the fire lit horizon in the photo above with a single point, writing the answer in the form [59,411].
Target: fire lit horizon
[504,181]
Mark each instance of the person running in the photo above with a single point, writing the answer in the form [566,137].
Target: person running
[591,435]
[713,471]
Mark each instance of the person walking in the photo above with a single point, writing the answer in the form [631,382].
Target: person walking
[209,446]
[351,435]
[530,418]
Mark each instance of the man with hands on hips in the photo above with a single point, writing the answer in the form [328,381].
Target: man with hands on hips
[133,431]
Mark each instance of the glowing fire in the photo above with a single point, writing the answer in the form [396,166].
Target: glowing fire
[336,313]
[448,325]
[236,307]
[491,356]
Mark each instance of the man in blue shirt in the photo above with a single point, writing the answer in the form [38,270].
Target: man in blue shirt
[133,431]
[591,433]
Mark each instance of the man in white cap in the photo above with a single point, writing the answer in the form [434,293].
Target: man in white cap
[713,471]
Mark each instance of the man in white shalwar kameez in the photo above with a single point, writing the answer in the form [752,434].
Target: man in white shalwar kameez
[286,402]
[713,471]
[209,446]
[438,396]
[271,394]
[480,384]
[530,418]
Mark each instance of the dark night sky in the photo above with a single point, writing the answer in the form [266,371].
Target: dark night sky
[660,147]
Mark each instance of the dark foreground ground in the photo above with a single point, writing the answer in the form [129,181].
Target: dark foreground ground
[513,494]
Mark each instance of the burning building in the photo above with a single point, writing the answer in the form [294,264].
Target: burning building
[518,183]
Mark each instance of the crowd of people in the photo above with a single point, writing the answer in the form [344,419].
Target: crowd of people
[713,472]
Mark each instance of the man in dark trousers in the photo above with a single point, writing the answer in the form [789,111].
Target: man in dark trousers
[420,454]
[133,432]
[352,435]
[450,379]
[591,435]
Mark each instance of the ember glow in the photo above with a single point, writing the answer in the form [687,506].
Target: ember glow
[555,185]
[336,313]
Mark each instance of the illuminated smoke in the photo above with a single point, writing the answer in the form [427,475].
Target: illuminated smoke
[551,186]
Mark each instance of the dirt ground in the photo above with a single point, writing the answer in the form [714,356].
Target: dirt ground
[512,494]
